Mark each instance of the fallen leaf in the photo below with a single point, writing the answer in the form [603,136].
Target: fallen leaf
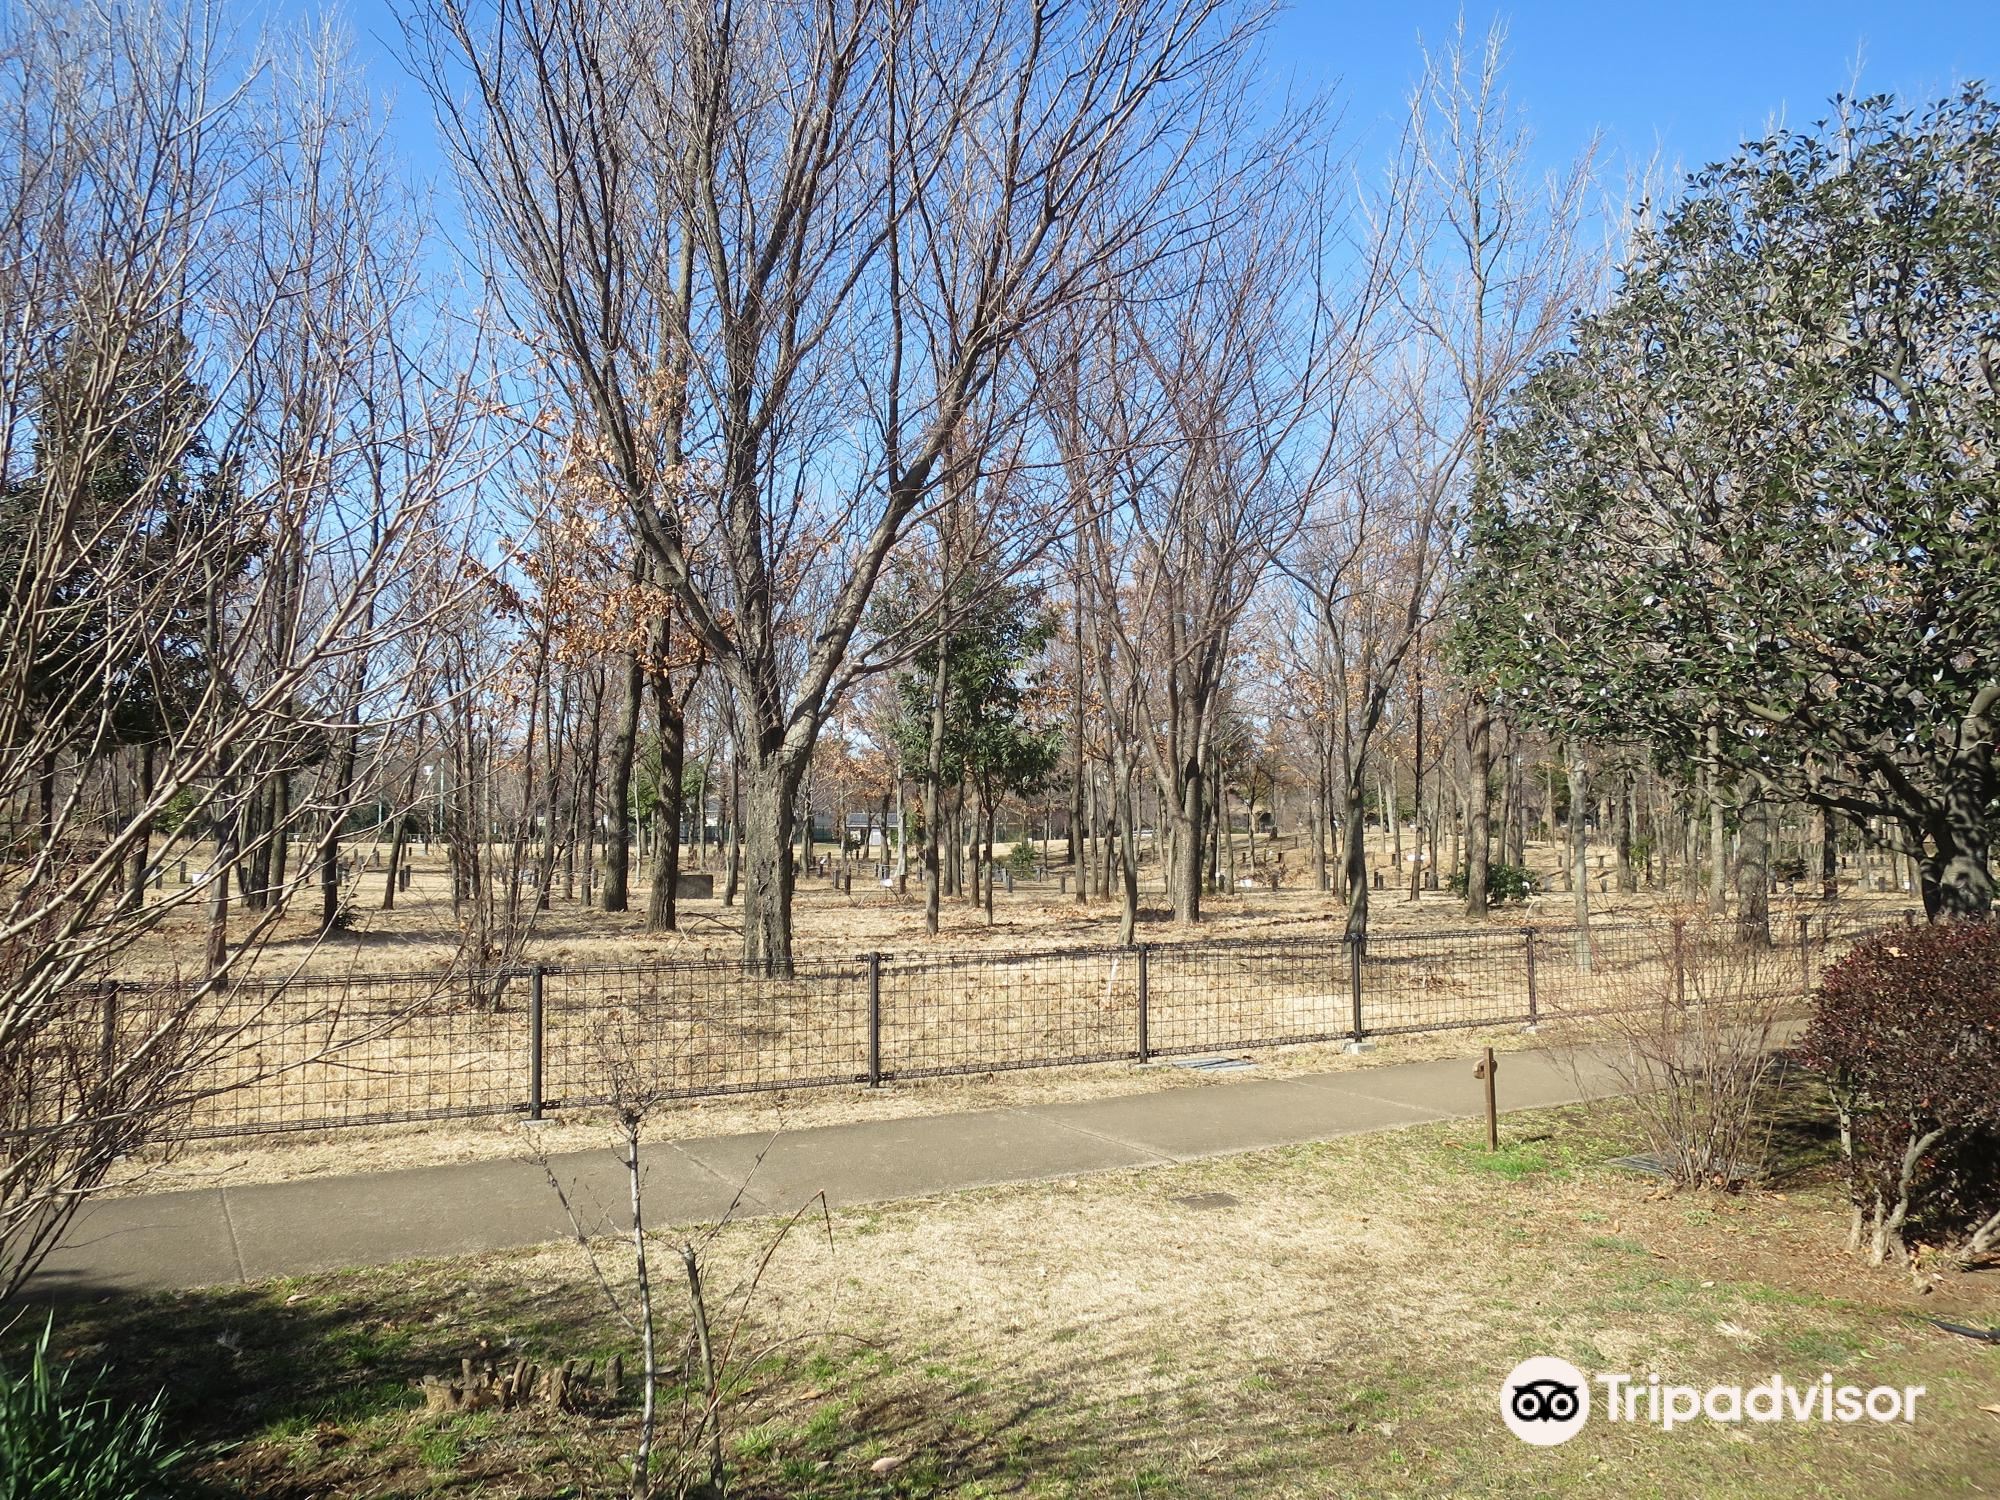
[887,1464]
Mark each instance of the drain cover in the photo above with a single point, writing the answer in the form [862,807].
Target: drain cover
[1214,1064]
[1208,1200]
[1653,1166]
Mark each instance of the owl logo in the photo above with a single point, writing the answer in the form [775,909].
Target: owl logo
[1545,1401]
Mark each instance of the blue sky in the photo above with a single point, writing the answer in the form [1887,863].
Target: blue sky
[1690,79]
[1687,81]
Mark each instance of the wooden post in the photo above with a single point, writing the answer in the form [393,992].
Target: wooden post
[1486,1069]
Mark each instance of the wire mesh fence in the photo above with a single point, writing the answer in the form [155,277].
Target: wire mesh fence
[312,1054]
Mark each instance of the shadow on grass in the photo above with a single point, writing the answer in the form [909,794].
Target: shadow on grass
[1805,1129]
[308,1388]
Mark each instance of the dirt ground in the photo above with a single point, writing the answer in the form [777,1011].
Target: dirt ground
[1330,1320]
[421,933]
[343,1044]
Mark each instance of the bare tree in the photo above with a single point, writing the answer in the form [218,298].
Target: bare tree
[226,563]
[712,213]
[1368,563]
[1196,424]
[1491,267]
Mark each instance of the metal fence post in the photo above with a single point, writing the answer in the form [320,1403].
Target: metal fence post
[1145,1005]
[108,1055]
[1534,1005]
[1358,1041]
[535,1042]
[1680,961]
[874,1020]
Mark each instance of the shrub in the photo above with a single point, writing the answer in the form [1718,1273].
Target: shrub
[1504,883]
[1021,859]
[1906,1027]
[63,1438]
[1694,1054]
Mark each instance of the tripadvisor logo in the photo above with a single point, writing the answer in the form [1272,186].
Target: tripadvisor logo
[1546,1401]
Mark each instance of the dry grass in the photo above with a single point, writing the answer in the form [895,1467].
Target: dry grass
[373,1049]
[421,934]
[328,1038]
[1326,1320]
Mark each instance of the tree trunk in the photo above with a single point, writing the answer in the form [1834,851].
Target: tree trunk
[1418,862]
[1186,850]
[332,911]
[1628,880]
[218,899]
[1579,850]
[1354,852]
[555,721]
[992,819]
[261,815]
[1112,850]
[397,842]
[1078,856]
[661,915]
[1395,823]
[1218,836]
[973,847]
[1318,825]
[253,835]
[1753,875]
[934,802]
[593,764]
[45,788]
[1478,806]
[805,816]
[733,861]
[1091,818]
[768,871]
[135,868]
[1718,848]
[1957,873]
[618,830]
[902,837]
[935,829]
[1127,844]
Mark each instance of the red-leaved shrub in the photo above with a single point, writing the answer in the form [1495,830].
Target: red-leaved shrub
[1906,1028]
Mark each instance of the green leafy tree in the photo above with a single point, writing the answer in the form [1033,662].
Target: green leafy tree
[1748,517]
[992,736]
[125,476]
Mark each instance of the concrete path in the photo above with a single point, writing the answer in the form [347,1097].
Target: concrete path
[212,1236]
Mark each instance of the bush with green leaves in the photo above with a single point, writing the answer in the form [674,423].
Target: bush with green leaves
[64,1437]
[1021,859]
[1504,883]
[1906,1028]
